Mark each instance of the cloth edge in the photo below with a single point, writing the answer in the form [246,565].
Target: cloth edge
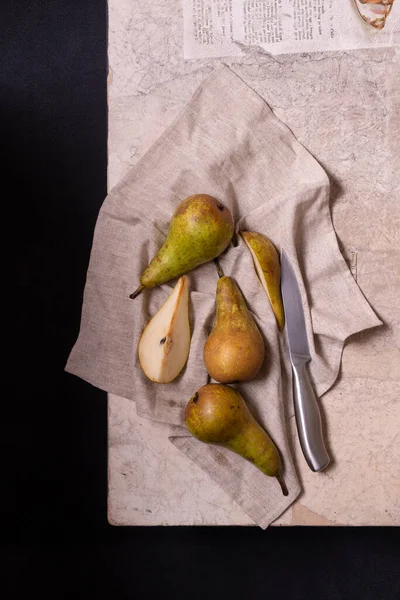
[273,515]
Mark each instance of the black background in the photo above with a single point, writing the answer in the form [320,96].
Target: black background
[55,535]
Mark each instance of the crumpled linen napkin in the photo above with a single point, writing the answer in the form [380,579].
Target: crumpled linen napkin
[226,143]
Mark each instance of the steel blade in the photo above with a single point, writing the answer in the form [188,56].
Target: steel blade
[294,312]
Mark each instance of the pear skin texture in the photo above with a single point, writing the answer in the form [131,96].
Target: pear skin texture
[200,229]
[217,414]
[267,265]
[234,350]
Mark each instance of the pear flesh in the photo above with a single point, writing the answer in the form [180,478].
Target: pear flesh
[267,265]
[217,414]
[200,229]
[165,342]
[234,350]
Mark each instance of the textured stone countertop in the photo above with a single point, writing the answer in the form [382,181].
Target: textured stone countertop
[345,108]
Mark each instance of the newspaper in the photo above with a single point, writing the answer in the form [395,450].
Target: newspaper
[220,28]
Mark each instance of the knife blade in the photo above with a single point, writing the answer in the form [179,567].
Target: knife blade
[307,413]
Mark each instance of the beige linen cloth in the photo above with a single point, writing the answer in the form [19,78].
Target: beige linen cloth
[227,143]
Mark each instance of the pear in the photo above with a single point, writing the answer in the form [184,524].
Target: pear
[234,350]
[164,345]
[266,262]
[217,414]
[200,229]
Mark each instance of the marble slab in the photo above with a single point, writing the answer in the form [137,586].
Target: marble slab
[344,107]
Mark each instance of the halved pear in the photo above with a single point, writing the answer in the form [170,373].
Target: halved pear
[267,265]
[164,345]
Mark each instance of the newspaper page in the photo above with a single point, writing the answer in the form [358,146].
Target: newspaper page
[220,28]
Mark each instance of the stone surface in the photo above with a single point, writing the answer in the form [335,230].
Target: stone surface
[345,109]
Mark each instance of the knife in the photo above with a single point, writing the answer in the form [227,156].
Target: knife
[306,409]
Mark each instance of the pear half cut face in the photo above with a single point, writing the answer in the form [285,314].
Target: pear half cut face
[374,12]
[164,345]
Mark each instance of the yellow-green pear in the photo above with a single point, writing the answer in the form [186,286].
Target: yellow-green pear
[164,345]
[217,414]
[200,229]
[234,350]
[266,262]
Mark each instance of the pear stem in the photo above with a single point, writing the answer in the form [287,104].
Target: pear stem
[285,491]
[219,270]
[137,292]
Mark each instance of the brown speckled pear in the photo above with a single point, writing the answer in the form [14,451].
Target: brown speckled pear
[267,265]
[234,350]
[217,414]
[200,229]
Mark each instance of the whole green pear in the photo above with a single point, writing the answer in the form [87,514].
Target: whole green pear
[217,414]
[200,229]
[234,350]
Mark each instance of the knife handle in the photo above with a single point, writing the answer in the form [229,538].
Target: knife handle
[308,419]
